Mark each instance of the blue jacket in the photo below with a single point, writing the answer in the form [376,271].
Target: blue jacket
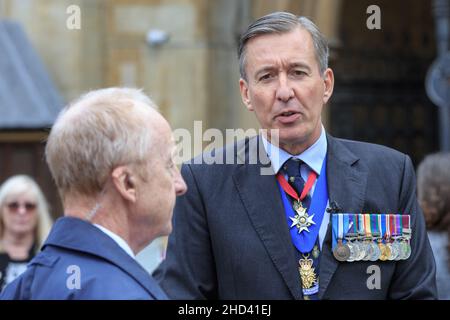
[79,261]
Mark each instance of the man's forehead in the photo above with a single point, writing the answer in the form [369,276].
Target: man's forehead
[161,129]
[299,33]
[279,45]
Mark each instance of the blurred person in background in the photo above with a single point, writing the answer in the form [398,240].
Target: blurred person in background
[111,156]
[24,225]
[433,187]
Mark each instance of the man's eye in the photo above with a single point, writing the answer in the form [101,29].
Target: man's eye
[298,73]
[171,168]
[266,76]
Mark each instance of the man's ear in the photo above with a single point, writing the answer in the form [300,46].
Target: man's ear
[125,183]
[329,85]
[245,95]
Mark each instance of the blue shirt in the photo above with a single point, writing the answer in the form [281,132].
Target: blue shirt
[313,158]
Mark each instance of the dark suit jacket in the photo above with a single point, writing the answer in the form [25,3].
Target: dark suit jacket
[231,240]
[105,270]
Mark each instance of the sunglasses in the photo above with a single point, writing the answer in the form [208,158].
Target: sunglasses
[14,206]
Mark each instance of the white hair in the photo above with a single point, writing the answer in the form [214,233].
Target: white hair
[103,129]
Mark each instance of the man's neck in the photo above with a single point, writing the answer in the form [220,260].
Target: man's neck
[118,226]
[297,148]
[108,214]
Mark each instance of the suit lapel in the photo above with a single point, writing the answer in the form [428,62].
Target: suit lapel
[260,197]
[347,179]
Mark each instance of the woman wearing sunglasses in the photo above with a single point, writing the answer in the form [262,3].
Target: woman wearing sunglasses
[24,224]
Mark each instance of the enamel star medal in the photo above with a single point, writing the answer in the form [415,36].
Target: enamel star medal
[301,220]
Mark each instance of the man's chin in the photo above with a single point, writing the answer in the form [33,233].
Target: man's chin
[167,230]
[293,140]
[296,143]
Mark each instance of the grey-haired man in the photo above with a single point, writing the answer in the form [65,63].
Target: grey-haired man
[239,234]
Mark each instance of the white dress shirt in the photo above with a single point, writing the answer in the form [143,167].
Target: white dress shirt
[122,243]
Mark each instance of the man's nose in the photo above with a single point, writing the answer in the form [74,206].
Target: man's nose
[180,184]
[284,91]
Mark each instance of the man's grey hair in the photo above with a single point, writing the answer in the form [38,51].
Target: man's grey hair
[283,22]
[103,129]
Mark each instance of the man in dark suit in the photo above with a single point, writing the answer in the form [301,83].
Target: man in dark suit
[240,233]
[110,154]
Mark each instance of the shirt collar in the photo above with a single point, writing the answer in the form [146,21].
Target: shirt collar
[122,243]
[313,156]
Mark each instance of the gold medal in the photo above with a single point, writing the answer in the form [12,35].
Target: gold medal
[307,272]
[385,251]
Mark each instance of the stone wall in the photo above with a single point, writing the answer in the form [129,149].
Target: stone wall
[193,76]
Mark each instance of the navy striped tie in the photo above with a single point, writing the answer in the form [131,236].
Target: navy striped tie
[292,169]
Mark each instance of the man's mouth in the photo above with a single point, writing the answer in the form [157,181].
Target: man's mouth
[288,117]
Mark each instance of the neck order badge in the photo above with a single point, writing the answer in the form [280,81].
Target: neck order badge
[301,220]
[305,225]
[304,219]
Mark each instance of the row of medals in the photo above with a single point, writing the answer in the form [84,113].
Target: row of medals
[362,248]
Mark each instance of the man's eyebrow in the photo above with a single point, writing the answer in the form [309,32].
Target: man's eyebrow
[300,65]
[291,65]
[265,69]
